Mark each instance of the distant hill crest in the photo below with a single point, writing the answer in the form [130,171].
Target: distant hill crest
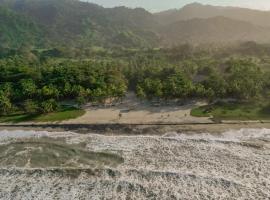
[45,23]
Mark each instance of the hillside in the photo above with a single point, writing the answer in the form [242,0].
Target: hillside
[77,24]
[213,30]
[197,10]
[16,29]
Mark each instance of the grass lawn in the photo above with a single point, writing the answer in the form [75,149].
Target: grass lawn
[61,115]
[234,111]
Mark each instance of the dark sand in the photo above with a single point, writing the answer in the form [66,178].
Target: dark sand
[137,129]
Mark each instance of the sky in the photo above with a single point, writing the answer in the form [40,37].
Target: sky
[159,5]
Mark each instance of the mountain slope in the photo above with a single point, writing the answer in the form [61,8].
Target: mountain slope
[73,23]
[196,10]
[213,30]
[16,29]
[80,23]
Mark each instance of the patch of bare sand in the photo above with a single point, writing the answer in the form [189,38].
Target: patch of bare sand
[134,111]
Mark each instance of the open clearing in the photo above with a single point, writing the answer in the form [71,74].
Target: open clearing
[134,111]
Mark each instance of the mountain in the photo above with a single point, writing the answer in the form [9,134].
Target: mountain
[197,10]
[213,30]
[77,24]
[16,29]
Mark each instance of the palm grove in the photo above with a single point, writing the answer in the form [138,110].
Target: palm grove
[34,83]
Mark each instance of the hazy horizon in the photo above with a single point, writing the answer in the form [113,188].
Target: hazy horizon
[160,5]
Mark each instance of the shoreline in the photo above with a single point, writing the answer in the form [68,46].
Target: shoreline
[137,129]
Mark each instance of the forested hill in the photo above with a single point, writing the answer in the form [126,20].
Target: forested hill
[213,30]
[16,29]
[72,23]
[197,10]
[79,23]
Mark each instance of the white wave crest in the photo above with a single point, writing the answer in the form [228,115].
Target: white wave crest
[231,135]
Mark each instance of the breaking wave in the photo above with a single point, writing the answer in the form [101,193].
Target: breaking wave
[232,165]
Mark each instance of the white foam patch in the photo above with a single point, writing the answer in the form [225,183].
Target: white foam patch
[231,135]
[6,134]
[175,165]
[17,134]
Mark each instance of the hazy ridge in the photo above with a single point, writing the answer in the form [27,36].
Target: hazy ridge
[79,23]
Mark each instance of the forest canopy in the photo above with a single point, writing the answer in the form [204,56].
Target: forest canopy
[39,81]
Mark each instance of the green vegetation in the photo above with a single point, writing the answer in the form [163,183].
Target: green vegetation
[60,115]
[35,89]
[17,30]
[40,88]
[81,25]
[240,79]
[76,23]
[234,111]
[68,50]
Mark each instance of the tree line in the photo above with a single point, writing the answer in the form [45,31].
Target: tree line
[39,86]
[40,89]
[238,78]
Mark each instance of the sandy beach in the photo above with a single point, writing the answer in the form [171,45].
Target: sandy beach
[134,117]
[133,111]
[135,152]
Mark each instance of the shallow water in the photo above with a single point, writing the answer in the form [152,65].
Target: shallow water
[232,165]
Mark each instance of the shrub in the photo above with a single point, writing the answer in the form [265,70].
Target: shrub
[5,105]
[49,106]
[30,107]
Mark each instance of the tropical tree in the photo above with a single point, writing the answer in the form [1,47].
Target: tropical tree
[177,86]
[5,104]
[152,88]
[49,106]
[30,106]
[50,91]
[217,84]
[28,88]
[245,80]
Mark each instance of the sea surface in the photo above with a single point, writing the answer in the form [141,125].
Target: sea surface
[231,165]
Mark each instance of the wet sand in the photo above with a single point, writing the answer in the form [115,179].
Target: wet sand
[131,129]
